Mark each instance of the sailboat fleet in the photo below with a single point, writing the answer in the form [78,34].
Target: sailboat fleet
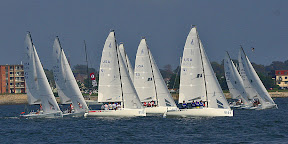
[142,91]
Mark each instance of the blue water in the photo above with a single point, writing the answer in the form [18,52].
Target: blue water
[247,126]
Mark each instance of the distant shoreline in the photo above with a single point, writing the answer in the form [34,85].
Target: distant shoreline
[16,99]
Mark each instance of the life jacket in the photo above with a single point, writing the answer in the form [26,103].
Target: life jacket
[193,104]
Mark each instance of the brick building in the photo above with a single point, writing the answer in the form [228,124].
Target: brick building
[12,79]
[282,78]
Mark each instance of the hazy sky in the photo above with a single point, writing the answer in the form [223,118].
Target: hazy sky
[222,25]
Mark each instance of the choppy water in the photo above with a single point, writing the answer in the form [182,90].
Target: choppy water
[247,126]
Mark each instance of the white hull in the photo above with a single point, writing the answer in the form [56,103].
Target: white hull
[43,115]
[117,113]
[159,110]
[80,114]
[270,106]
[205,112]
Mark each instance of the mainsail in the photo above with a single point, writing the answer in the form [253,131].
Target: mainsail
[192,83]
[143,76]
[37,84]
[67,87]
[234,81]
[251,78]
[126,61]
[148,79]
[115,84]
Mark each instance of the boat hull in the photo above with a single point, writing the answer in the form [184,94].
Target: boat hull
[202,112]
[43,115]
[159,110]
[80,114]
[116,113]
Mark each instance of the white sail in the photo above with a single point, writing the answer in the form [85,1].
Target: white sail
[215,96]
[234,81]
[30,73]
[109,76]
[143,76]
[164,97]
[126,61]
[115,84]
[192,84]
[43,90]
[67,87]
[250,76]
[148,80]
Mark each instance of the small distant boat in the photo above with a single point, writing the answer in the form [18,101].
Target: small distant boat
[235,85]
[253,85]
[37,86]
[115,84]
[66,84]
[126,61]
[199,83]
[149,83]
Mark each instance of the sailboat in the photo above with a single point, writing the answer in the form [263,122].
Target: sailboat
[253,84]
[115,84]
[149,82]
[66,84]
[37,86]
[235,84]
[126,61]
[199,83]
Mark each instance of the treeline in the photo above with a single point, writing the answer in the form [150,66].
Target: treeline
[172,76]
[266,73]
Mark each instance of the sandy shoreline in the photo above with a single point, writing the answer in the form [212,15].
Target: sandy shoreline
[12,99]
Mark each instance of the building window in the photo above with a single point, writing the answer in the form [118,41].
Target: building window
[279,72]
[285,77]
[279,82]
[286,82]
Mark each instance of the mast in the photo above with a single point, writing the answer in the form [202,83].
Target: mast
[152,73]
[87,72]
[120,77]
[202,64]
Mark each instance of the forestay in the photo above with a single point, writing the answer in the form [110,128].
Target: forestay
[234,81]
[67,87]
[43,90]
[192,85]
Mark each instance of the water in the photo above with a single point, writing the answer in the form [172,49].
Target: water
[247,126]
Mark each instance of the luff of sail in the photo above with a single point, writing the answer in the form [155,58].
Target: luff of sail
[126,61]
[215,96]
[65,80]
[143,76]
[48,101]
[192,84]
[234,81]
[255,82]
